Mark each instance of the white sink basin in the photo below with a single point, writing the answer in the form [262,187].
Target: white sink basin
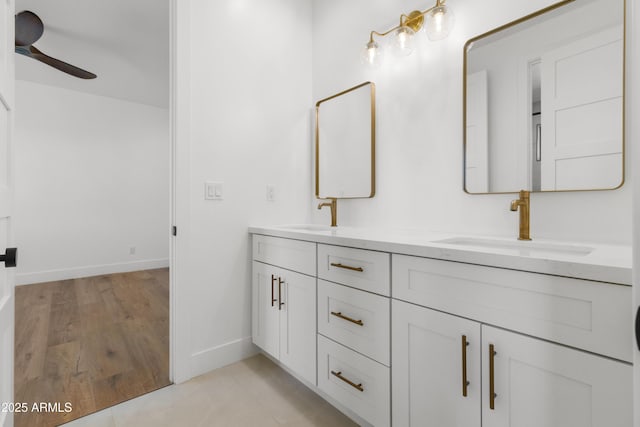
[306,227]
[519,246]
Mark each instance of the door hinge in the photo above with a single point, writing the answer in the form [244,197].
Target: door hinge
[174,230]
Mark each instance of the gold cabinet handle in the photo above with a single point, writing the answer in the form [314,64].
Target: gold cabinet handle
[351,383]
[347,267]
[273,300]
[280,303]
[492,385]
[347,318]
[465,383]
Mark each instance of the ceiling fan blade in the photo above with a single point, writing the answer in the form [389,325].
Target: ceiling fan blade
[34,53]
[29,28]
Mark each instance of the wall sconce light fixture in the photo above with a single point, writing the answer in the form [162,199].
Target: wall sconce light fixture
[437,21]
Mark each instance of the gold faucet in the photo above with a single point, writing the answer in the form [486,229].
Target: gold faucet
[523,204]
[333,204]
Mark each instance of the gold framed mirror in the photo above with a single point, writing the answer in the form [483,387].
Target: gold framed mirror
[544,101]
[345,144]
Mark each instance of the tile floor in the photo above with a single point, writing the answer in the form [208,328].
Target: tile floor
[253,393]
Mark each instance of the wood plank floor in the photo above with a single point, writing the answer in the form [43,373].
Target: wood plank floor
[94,342]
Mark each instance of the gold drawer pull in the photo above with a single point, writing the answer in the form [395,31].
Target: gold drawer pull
[280,303]
[347,318]
[273,279]
[465,382]
[347,267]
[351,383]
[492,385]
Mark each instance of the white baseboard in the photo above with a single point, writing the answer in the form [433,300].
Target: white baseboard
[222,355]
[88,271]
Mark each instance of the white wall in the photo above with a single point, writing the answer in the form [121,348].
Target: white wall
[243,110]
[246,123]
[419,138]
[92,180]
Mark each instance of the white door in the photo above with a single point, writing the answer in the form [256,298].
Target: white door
[540,384]
[298,323]
[433,352]
[477,137]
[265,316]
[6,205]
[582,120]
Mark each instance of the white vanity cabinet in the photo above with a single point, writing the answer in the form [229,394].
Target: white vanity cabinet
[284,303]
[436,368]
[443,375]
[588,315]
[398,334]
[354,330]
[534,383]
[541,384]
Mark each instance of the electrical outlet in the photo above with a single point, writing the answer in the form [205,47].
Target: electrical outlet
[271,193]
[132,250]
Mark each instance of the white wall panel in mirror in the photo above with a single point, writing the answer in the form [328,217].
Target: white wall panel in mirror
[544,101]
[345,144]
[6,47]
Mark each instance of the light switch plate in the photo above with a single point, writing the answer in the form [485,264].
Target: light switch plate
[213,190]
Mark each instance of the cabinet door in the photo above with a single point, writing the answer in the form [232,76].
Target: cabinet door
[265,315]
[540,384]
[298,324]
[427,377]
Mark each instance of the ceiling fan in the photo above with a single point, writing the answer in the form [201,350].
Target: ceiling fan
[29,29]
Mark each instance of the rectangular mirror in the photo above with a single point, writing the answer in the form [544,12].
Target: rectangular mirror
[345,144]
[544,101]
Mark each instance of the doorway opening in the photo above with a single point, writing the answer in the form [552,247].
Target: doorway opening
[535,152]
[93,209]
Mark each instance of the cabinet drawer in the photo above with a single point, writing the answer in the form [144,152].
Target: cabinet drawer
[293,255]
[356,319]
[362,269]
[589,315]
[354,381]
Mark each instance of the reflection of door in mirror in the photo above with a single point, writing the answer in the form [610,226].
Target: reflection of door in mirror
[544,101]
[477,161]
[582,129]
[535,153]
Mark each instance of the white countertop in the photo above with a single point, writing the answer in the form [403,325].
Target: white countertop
[605,263]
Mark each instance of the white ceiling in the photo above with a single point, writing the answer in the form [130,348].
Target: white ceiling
[124,42]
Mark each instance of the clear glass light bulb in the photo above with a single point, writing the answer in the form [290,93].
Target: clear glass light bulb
[439,23]
[438,17]
[403,41]
[372,54]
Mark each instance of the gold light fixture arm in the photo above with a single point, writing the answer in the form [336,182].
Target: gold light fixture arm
[414,20]
[381,34]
